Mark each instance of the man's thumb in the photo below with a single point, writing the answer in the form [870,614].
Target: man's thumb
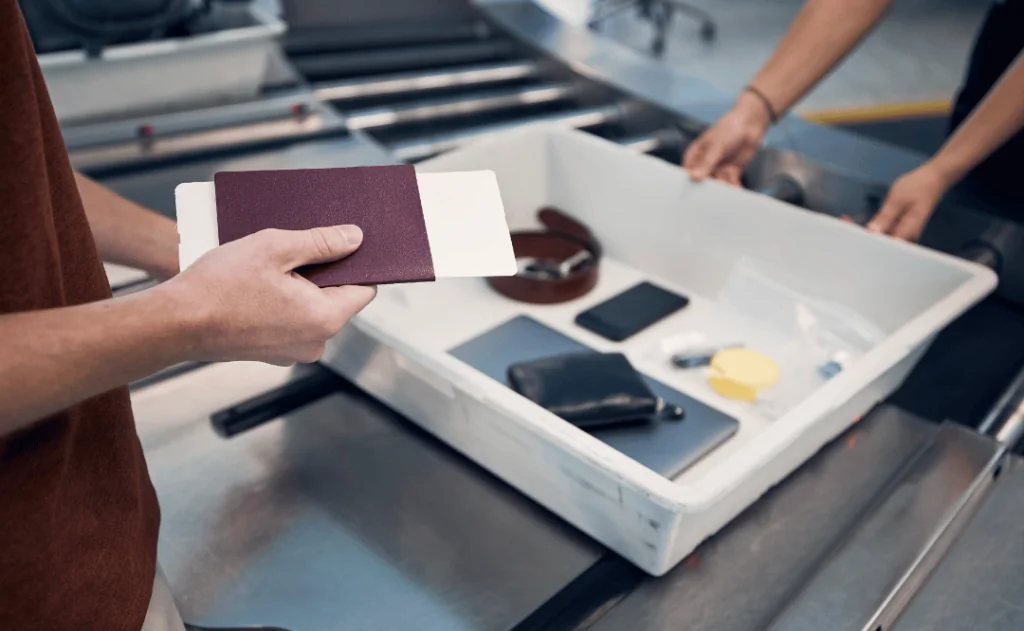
[318,245]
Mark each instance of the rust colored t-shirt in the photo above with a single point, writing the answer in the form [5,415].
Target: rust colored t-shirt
[78,515]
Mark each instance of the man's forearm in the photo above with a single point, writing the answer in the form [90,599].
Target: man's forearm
[53,359]
[994,121]
[128,234]
[823,33]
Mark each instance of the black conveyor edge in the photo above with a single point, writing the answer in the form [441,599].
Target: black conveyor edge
[267,406]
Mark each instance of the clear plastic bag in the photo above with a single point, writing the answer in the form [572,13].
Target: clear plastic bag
[756,289]
[822,338]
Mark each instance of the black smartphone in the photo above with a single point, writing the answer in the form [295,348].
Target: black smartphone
[630,312]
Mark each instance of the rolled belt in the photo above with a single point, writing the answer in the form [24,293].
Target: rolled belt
[556,265]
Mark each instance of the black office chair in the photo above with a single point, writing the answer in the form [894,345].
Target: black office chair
[660,14]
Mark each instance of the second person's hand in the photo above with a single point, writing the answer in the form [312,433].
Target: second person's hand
[910,203]
[724,150]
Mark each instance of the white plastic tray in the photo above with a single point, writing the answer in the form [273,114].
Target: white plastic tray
[655,224]
[120,275]
[163,75]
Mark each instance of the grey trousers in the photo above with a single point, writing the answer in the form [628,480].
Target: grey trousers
[162,614]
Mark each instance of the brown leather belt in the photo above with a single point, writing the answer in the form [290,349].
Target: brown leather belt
[555,265]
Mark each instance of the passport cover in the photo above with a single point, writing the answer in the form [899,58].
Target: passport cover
[463,212]
[383,201]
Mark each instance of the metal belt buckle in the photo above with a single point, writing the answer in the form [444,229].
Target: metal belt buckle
[547,269]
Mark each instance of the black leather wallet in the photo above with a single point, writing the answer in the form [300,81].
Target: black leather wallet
[589,390]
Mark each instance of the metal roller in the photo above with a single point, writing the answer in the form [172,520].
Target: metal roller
[409,58]
[785,188]
[316,38]
[412,82]
[661,140]
[641,144]
[1005,421]
[147,150]
[983,253]
[437,109]
[419,149]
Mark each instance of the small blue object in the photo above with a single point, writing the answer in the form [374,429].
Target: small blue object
[830,369]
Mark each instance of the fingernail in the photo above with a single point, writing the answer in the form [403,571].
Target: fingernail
[873,227]
[353,234]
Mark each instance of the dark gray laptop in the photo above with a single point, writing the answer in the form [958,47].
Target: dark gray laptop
[665,446]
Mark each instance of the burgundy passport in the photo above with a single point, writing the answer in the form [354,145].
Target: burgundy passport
[383,201]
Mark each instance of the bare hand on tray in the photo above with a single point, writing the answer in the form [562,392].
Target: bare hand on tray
[725,149]
[247,303]
[910,203]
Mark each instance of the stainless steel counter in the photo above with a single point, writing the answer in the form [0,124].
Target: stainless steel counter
[821,550]
[340,516]
[980,584]
[343,515]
